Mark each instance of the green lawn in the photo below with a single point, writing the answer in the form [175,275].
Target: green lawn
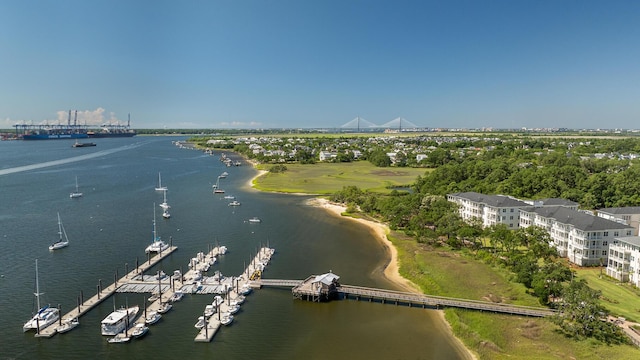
[327,178]
[620,299]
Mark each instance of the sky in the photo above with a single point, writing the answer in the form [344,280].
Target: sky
[321,64]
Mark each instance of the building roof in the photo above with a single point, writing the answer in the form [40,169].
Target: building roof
[621,210]
[579,219]
[326,279]
[557,202]
[633,240]
[491,200]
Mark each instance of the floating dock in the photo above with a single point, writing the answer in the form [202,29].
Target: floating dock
[103,293]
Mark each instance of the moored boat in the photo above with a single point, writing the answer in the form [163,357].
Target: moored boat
[152,318]
[118,320]
[156,245]
[139,331]
[255,220]
[61,242]
[234,203]
[226,319]
[200,323]
[164,308]
[68,325]
[45,316]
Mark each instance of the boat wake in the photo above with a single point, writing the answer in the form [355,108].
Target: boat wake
[18,169]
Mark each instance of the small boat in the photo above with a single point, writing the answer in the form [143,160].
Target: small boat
[217,300]
[222,250]
[209,310]
[45,315]
[164,308]
[224,175]
[160,187]
[216,187]
[226,319]
[234,203]
[119,339]
[139,331]
[234,309]
[229,197]
[177,296]
[79,144]
[238,300]
[255,220]
[166,214]
[76,194]
[152,318]
[245,289]
[68,325]
[200,323]
[154,296]
[61,242]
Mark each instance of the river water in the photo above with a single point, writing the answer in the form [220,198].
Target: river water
[110,226]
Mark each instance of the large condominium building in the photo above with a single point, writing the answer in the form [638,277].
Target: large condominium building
[629,215]
[491,209]
[624,260]
[582,238]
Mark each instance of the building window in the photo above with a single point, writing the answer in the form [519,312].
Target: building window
[615,233]
[504,210]
[606,233]
[605,243]
[511,210]
[510,217]
[604,252]
[628,232]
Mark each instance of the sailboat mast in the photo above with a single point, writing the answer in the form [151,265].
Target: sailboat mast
[37,293]
[154,222]
[59,227]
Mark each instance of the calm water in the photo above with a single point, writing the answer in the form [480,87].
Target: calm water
[111,225]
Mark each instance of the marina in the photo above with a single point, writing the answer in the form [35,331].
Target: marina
[111,225]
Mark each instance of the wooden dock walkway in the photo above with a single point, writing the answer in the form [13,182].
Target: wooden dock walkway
[302,289]
[104,293]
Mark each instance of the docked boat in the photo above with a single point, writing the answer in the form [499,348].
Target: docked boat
[245,289]
[177,296]
[164,308]
[200,323]
[118,321]
[139,331]
[160,187]
[156,245]
[76,194]
[119,339]
[255,220]
[152,318]
[217,301]
[222,250]
[226,319]
[209,310]
[68,325]
[239,299]
[45,316]
[234,308]
[62,242]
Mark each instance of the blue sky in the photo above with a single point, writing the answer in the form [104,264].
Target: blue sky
[304,64]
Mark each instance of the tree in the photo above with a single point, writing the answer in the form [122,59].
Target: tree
[379,158]
[581,315]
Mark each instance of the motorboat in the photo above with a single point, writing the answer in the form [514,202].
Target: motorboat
[166,214]
[217,300]
[222,249]
[152,318]
[68,325]
[177,296]
[245,289]
[229,197]
[200,323]
[254,220]
[164,308]
[139,331]
[234,203]
[62,242]
[119,320]
[45,316]
[226,319]
[239,299]
[119,339]
[234,309]
[209,310]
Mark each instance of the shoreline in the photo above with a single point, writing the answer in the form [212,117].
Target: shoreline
[391,269]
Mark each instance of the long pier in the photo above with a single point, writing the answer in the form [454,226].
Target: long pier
[314,289]
[103,293]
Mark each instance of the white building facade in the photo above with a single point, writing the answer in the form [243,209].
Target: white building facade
[490,209]
[624,260]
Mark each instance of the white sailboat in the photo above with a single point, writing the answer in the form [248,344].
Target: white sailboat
[157,245]
[164,204]
[76,194]
[45,315]
[160,187]
[216,187]
[61,242]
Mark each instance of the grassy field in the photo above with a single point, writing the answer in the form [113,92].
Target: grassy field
[620,299]
[327,178]
[492,336]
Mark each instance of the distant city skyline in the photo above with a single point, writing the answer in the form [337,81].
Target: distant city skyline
[320,64]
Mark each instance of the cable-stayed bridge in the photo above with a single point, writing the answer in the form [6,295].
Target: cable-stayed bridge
[360,123]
